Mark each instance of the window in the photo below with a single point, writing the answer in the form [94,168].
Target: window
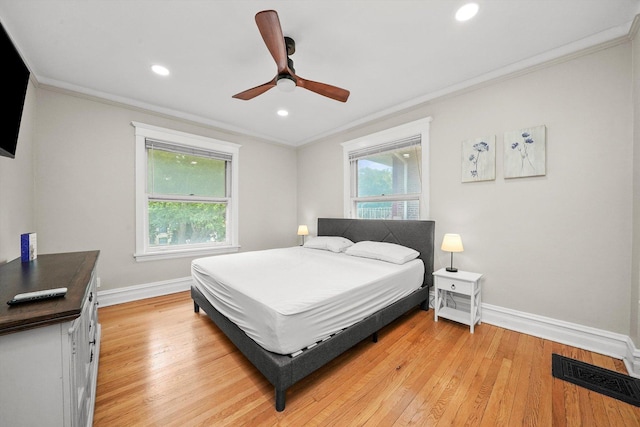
[186,193]
[385,174]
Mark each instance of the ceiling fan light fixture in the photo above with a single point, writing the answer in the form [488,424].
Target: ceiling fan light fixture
[286,84]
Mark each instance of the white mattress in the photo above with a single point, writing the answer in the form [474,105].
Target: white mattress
[288,299]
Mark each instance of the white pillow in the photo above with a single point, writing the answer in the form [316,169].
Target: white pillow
[383,251]
[328,243]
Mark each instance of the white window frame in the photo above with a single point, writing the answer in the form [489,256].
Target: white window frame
[144,252]
[384,137]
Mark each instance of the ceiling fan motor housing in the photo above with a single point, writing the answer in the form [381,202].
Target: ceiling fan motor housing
[290,44]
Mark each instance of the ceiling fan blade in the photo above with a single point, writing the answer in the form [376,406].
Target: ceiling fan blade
[255,91]
[323,89]
[271,31]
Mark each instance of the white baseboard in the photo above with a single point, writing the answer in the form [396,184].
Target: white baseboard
[138,292]
[608,343]
[599,341]
[632,359]
[584,337]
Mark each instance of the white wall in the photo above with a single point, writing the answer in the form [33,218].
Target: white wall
[320,176]
[17,185]
[84,173]
[557,246]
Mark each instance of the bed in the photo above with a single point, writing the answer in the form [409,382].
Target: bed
[281,360]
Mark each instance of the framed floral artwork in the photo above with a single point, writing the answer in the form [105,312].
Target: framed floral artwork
[479,159]
[525,152]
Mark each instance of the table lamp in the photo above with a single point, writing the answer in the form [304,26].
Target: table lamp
[303,231]
[452,243]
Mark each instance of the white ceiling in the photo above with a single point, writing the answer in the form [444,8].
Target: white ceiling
[390,54]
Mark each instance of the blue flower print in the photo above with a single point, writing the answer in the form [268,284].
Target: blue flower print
[522,148]
[480,147]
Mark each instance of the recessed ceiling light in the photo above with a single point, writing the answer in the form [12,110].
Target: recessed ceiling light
[283,113]
[160,70]
[467,12]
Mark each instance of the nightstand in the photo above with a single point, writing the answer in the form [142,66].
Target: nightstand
[461,283]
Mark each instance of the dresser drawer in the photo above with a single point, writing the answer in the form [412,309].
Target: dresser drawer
[453,285]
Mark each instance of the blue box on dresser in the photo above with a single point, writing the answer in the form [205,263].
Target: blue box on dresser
[28,247]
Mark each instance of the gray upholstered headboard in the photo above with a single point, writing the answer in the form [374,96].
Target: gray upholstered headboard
[418,235]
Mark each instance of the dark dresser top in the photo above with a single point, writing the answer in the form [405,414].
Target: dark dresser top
[65,270]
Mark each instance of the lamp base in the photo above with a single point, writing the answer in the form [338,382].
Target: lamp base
[452,269]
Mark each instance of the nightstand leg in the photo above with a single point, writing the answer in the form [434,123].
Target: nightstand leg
[479,308]
[473,311]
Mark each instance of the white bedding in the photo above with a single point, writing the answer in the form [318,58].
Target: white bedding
[288,299]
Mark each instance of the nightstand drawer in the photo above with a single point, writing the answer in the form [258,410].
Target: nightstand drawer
[457,286]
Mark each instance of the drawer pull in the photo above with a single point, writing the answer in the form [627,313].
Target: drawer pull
[453,286]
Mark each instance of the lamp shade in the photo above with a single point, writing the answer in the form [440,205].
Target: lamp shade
[452,243]
[303,230]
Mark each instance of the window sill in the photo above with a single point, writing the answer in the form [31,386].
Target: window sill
[182,253]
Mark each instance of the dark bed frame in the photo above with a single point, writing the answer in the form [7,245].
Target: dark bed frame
[283,370]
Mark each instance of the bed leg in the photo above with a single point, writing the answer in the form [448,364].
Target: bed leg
[196,307]
[374,337]
[424,305]
[280,397]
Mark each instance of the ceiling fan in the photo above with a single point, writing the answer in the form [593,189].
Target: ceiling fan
[281,47]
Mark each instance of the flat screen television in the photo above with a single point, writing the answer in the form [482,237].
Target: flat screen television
[16,79]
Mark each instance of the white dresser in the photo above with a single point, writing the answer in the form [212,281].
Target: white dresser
[49,349]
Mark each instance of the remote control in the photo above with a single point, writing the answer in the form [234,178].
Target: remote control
[38,295]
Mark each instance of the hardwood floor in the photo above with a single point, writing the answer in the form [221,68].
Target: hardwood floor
[161,364]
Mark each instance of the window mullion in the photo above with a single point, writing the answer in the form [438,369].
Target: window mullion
[181,198]
[390,198]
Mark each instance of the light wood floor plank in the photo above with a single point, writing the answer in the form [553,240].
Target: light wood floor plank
[458,383]
[161,364]
[464,405]
[521,381]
